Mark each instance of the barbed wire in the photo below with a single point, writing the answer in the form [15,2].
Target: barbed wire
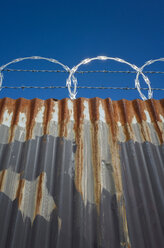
[146,79]
[72,79]
[78,87]
[81,72]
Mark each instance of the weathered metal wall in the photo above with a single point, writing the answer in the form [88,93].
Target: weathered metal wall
[82,173]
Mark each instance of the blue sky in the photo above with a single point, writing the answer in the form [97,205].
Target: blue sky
[71,31]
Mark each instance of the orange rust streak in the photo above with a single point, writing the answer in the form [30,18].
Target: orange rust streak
[79,164]
[63,115]
[2,175]
[154,114]
[16,110]
[47,115]
[124,111]
[112,117]
[79,160]
[19,193]
[139,107]
[96,163]
[94,115]
[34,107]
[39,194]
[7,103]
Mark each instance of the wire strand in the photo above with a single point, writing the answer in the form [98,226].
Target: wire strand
[81,72]
[79,87]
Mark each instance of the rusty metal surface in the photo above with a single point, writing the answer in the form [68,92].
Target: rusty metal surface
[82,173]
[143,172]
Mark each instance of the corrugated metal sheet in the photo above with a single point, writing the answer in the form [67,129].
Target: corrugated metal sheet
[81,173]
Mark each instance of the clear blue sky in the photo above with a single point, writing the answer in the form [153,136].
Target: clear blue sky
[74,30]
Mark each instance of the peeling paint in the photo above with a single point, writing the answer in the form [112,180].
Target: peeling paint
[70,109]
[162,118]
[22,120]
[119,124]
[134,120]
[40,115]
[10,181]
[148,119]
[7,118]
[101,113]
[86,111]
[55,112]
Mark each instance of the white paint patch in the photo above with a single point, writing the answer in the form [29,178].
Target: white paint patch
[134,120]
[101,113]
[47,202]
[7,118]
[10,183]
[59,224]
[70,108]
[162,118]
[86,111]
[55,112]
[22,120]
[119,124]
[29,192]
[40,115]
[147,116]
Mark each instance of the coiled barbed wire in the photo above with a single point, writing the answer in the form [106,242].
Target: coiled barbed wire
[72,79]
[137,83]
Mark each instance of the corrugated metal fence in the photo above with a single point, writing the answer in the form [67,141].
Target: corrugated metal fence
[81,173]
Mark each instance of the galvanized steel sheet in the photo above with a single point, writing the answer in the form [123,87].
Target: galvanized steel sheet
[81,173]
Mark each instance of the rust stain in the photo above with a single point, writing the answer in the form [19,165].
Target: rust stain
[35,106]
[47,115]
[123,111]
[63,117]
[111,115]
[78,129]
[18,107]
[2,175]
[124,219]
[154,111]
[110,111]
[19,193]
[6,103]
[94,116]
[39,194]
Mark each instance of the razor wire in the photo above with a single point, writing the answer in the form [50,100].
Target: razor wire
[2,68]
[137,83]
[139,71]
[72,79]
[88,60]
